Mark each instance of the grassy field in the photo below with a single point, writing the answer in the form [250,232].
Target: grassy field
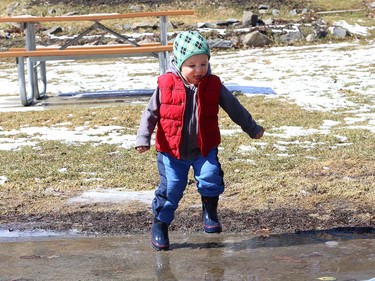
[334,169]
[314,168]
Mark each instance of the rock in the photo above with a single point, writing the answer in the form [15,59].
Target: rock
[268,21]
[321,33]
[145,24]
[201,25]
[311,37]
[220,43]
[222,23]
[320,22]
[206,25]
[339,32]
[127,26]
[52,11]
[291,36]
[256,39]
[352,29]
[275,12]
[232,21]
[263,9]
[293,12]
[249,19]
[53,30]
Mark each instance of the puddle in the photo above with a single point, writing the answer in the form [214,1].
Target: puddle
[192,257]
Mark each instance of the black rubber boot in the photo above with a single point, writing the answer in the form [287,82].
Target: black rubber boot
[159,235]
[211,222]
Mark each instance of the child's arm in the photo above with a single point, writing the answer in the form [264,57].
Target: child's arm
[150,117]
[260,133]
[142,149]
[239,114]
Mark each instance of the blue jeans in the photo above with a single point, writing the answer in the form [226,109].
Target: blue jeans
[173,180]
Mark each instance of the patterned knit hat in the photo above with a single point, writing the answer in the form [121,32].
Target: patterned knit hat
[187,44]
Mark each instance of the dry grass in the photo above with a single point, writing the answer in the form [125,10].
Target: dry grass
[312,168]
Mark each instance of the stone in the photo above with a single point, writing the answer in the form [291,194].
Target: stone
[339,32]
[249,19]
[311,37]
[145,24]
[220,43]
[53,30]
[293,12]
[256,39]
[275,12]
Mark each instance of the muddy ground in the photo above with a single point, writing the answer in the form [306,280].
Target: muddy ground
[136,218]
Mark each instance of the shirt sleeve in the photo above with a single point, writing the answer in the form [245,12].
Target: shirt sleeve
[149,119]
[238,113]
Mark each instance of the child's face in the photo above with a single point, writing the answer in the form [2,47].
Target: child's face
[195,68]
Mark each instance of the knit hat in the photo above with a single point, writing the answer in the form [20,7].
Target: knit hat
[187,44]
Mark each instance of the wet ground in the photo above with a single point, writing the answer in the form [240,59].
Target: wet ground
[327,255]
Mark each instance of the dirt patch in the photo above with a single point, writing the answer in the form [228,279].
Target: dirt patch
[112,219]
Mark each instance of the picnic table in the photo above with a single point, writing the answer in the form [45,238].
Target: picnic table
[32,58]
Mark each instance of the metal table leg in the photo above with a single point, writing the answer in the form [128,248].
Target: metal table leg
[26,95]
[29,89]
[41,80]
[163,56]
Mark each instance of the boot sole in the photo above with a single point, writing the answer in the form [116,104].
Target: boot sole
[159,247]
[212,229]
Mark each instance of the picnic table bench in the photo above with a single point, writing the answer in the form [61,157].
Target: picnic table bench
[32,58]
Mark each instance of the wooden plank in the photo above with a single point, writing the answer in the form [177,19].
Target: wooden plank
[86,52]
[95,17]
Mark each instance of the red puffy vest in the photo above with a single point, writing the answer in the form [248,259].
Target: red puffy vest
[172,108]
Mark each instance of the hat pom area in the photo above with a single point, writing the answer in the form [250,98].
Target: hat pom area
[187,44]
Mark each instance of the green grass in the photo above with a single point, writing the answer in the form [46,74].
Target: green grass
[312,167]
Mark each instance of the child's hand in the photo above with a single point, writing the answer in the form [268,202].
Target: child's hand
[259,134]
[142,149]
